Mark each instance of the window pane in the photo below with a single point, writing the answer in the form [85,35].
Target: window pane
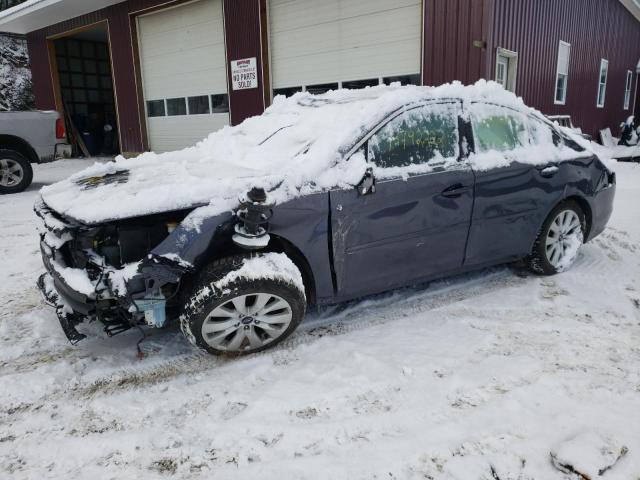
[88,50]
[155,108]
[176,106]
[287,92]
[498,128]
[79,95]
[94,96]
[361,83]
[415,137]
[198,105]
[64,79]
[220,103]
[92,81]
[63,66]
[323,88]
[73,48]
[77,80]
[403,79]
[75,64]
[561,87]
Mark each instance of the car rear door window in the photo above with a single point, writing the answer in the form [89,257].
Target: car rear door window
[421,135]
[498,128]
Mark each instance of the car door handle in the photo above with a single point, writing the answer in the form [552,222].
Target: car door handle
[549,171]
[455,191]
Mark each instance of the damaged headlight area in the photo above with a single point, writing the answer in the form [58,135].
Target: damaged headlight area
[106,272]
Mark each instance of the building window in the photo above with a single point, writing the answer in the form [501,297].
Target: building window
[198,105]
[506,68]
[403,79]
[372,82]
[323,88]
[155,108]
[627,89]
[602,82]
[287,91]
[220,103]
[562,72]
[176,106]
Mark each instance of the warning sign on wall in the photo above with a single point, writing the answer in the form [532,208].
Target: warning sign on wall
[244,73]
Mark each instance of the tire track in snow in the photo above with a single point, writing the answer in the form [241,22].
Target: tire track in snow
[336,321]
[355,316]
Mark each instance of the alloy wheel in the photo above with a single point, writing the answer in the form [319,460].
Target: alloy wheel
[11,172]
[564,238]
[247,322]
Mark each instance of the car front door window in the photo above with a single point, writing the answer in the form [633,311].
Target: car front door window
[416,137]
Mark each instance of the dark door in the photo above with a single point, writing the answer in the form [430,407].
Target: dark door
[415,224]
[513,194]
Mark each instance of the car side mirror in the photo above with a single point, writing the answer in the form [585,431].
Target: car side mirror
[367,185]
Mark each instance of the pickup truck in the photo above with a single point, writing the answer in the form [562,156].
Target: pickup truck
[25,138]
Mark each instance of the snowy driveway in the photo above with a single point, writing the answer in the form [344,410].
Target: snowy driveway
[477,377]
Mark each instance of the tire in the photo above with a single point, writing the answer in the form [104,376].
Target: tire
[15,172]
[212,321]
[559,239]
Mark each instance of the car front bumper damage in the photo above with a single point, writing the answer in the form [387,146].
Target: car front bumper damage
[118,298]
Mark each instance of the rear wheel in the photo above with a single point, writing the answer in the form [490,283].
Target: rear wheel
[15,172]
[246,315]
[559,240]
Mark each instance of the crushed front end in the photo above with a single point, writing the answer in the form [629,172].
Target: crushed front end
[106,273]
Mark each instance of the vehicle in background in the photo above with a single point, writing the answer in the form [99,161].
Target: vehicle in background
[25,138]
[342,195]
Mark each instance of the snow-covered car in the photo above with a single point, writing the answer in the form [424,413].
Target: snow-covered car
[319,200]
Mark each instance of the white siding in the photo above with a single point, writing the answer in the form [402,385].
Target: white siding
[314,42]
[182,54]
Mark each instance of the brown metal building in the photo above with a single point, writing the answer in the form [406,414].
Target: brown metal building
[168,72]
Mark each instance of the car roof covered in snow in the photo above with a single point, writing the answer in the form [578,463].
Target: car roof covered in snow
[292,149]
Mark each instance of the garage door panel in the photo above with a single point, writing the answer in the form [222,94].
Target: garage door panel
[340,40]
[182,54]
[296,14]
[183,40]
[166,132]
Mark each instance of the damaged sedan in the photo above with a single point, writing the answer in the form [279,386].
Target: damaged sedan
[321,199]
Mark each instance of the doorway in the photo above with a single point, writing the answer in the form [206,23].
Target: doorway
[86,93]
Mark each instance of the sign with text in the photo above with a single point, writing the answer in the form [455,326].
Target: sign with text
[244,73]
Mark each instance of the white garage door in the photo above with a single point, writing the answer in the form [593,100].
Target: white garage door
[183,64]
[319,44]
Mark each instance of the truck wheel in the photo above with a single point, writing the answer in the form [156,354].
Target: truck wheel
[235,313]
[15,172]
[559,240]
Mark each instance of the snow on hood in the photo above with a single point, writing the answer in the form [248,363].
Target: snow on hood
[293,148]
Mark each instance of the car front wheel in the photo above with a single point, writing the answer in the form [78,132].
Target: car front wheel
[15,172]
[236,312]
[559,240]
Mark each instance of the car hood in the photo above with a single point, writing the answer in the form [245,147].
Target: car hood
[118,190]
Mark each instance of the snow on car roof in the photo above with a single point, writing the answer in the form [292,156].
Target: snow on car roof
[292,149]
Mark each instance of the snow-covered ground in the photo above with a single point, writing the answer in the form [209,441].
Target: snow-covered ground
[476,377]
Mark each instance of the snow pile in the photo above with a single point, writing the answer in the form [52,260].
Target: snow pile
[15,75]
[294,148]
[587,454]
